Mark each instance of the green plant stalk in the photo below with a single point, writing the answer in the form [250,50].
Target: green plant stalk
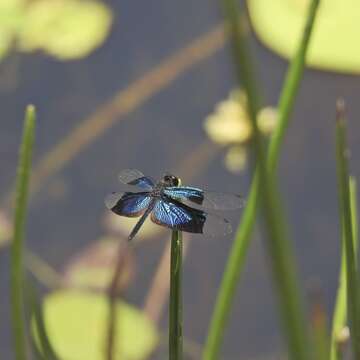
[279,249]
[354,216]
[319,335]
[175,303]
[321,342]
[40,340]
[339,317]
[43,339]
[352,280]
[242,240]
[21,201]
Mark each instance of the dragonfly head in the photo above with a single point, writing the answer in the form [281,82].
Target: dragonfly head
[171,180]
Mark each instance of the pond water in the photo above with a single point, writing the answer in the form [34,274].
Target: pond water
[164,133]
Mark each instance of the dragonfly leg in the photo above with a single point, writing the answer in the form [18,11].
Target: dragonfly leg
[141,221]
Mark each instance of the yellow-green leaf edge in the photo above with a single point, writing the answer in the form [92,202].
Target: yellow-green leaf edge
[76,324]
[66,29]
[334,45]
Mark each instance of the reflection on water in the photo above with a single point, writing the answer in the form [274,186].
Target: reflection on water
[164,131]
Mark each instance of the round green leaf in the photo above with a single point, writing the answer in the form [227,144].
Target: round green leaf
[6,37]
[76,324]
[66,29]
[279,24]
[11,15]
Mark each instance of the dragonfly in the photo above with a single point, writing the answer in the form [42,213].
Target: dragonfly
[172,205]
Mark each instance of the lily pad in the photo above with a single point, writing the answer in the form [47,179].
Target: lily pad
[279,24]
[76,324]
[67,29]
[11,15]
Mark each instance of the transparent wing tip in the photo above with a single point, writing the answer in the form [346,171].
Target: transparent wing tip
[223,201]
[217,226]
[242,201]
[128,175]
[235,202]
[227,228]
[111,200]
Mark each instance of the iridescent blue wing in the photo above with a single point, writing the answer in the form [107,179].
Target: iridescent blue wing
[178,216]
[127,203]
[136,178]
[205,199]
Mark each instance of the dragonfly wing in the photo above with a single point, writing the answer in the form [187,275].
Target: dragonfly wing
[206,199]
[178,216]
[127,203]
[137,178]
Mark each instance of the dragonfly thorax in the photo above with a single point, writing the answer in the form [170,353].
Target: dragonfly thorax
[170,180]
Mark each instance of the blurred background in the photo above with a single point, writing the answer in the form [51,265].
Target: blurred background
[142,85]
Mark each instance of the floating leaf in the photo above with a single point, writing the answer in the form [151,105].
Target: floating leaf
[11,15]
[67,29]
[279,24]
[94,266]
[76,324]
[6,37]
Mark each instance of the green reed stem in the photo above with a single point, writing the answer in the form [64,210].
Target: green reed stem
[319,334]
[320,337]
[240,246]
[175,304]
[21,201]
[279,249]
[354,216]
[41,343]
[339,317]
[352,280]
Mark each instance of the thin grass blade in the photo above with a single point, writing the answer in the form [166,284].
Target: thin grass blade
[175,303]
[339,318]
[352,277]
[354,216]
[318,318]
[40,340]
[291,86]
[278,246]
[239,249]
[17,266]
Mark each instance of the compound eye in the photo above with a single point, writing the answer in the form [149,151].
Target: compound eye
[175,181]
